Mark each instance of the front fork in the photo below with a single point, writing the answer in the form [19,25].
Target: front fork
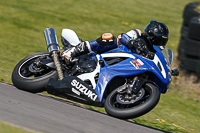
[137,84]
[133,86]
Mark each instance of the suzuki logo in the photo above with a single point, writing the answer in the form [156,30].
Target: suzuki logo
[84,89]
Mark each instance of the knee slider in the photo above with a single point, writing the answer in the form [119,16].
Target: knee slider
[106,39]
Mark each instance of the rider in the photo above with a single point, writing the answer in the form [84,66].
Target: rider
[155,33]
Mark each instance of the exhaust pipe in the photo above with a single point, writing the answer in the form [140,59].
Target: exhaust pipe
[51,39]
[53,48]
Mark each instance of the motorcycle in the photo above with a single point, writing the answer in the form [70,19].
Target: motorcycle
[127,85]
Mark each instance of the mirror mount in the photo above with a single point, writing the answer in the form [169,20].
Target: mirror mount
[175,72]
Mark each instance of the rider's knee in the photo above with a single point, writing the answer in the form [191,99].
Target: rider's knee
[106,39]
[104,43]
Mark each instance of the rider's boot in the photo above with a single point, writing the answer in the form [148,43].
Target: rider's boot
[80,49]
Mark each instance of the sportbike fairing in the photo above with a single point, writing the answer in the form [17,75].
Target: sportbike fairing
[120,62]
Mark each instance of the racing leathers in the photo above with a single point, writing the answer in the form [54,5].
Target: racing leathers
[134,40]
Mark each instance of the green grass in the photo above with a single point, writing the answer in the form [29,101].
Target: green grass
[173,113]
[22,23]
[7,128]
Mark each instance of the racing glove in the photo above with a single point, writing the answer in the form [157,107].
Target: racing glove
[139,46]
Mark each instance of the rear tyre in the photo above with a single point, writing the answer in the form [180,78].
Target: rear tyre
[29,78]
[141,106]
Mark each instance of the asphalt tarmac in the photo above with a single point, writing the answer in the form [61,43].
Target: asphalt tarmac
[40,113]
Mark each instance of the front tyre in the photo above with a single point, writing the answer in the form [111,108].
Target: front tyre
[29,76]
[143,102]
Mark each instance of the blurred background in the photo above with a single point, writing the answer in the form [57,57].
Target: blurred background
[22,23]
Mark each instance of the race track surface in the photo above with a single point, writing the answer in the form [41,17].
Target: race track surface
[44,114]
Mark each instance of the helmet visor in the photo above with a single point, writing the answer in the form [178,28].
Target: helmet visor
[160,41]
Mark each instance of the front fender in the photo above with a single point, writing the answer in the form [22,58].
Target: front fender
[107,75]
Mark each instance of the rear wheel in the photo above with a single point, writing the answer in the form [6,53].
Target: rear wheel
[28,75]
[117,104]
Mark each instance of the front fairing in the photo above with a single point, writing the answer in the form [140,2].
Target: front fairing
[133,65]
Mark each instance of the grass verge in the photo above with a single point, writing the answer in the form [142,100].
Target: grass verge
[7,128]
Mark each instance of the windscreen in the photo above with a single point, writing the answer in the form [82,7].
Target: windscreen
[167,52]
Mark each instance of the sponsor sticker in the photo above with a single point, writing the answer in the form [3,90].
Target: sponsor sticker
[137,63]
[141,63]
[76,92]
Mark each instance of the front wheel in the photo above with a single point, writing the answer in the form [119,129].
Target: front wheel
[119,106]
[29,76]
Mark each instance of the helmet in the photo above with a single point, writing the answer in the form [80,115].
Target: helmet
[157,33]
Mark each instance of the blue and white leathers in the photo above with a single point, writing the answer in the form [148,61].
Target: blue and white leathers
[99,48]
[133,65]
[70,39]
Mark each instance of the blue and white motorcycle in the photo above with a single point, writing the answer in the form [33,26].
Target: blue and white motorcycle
[126,84]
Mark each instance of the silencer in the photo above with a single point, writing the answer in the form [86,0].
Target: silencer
[51,40]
